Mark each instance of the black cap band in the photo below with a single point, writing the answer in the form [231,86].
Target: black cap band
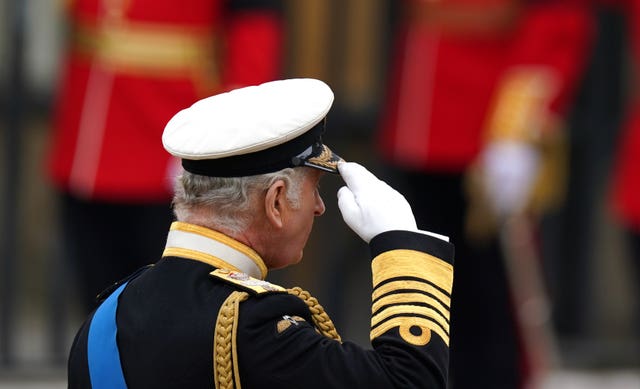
[260,162]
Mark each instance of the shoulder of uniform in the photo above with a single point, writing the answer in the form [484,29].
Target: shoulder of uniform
[246,282]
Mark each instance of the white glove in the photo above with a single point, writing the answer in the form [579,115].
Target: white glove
[370,206]
[510,169]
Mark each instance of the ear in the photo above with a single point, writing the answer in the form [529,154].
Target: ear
[275,202]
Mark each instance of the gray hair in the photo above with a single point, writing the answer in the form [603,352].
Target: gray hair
[228,201]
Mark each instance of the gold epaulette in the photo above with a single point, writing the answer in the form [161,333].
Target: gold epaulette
[521,106]
[246,282]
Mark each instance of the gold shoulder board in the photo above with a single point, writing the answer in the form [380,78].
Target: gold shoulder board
[247,282]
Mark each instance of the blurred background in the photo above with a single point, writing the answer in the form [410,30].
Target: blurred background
[589,270]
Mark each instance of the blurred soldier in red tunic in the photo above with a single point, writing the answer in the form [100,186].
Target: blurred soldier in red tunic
[626,177]
[480,86]
[131,65]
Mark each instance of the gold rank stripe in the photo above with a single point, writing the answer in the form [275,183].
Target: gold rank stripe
[411,263]
[398,312]
[412,299]
[402,285]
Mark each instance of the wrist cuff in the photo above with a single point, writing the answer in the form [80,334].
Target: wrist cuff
[409,240]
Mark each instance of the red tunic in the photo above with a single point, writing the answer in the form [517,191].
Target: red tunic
[130,66]
[626,184]
[450,66]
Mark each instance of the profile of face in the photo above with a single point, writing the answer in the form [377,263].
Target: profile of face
[292,224]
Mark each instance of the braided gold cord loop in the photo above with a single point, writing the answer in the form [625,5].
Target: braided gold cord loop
[225,364]
[224,342]
[320,318]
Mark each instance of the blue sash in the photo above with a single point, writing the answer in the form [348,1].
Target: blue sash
[105,370]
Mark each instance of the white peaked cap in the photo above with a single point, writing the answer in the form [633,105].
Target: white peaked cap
[254,130]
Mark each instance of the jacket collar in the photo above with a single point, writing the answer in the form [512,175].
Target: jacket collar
[214,248]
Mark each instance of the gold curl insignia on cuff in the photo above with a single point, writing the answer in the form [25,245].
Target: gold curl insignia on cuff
[417,340]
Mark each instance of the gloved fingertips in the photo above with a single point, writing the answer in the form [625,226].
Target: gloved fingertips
[357,177]
[348,172]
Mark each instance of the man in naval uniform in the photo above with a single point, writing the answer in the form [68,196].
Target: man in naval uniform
[204,317]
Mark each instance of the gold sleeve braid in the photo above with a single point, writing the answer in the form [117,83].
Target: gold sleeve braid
[225,356]
[411,291]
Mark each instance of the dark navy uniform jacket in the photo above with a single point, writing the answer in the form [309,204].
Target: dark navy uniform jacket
[166,318]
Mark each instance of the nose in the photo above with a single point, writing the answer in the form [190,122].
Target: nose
[319,209]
